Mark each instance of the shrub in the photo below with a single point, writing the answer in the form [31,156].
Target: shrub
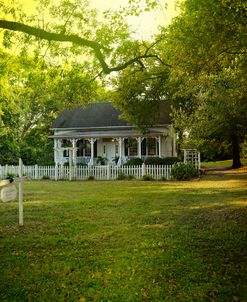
[130,177]
[11,175]
[170,160]
[101,160]
[154,161]
[81,165]
[183,171]
[147,177]
[134,162]
[91,177]
[121,176]
[161,161]
[45,177]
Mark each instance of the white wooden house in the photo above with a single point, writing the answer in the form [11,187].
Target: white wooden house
[84,135]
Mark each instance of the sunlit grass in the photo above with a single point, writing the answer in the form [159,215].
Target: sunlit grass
[221,163]
[126,241]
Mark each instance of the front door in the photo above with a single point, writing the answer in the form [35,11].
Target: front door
[109,151]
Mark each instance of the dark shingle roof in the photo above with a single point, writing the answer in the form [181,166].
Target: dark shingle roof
[94,115]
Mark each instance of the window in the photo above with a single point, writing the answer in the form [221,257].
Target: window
[116,148]
[87,149]
[83,148]
[151,144]
[79,146]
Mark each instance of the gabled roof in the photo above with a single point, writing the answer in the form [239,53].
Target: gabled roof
[95,115]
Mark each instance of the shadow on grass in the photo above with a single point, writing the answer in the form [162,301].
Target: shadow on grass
[207,260]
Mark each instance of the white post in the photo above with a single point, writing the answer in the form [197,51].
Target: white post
[56,171]
[58,152]
[92,140]
[74,150]
[139,141]
[108,172]
[70,164]
[143,169]
[159,141]
[36,172]
[20,193]
[185,156]
[120,150]
[199,161]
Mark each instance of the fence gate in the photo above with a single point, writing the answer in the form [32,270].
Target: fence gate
[193,157]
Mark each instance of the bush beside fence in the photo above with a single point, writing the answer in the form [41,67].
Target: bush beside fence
[85,172]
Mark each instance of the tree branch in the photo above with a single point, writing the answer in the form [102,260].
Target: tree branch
[42,34]
[62,37]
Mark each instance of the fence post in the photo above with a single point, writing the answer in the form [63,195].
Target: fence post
[56,171]
[6,170]
[36,172]
[108,172]
[70,171]
[143,169]
[20,192]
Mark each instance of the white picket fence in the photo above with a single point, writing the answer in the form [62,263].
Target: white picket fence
[85,172]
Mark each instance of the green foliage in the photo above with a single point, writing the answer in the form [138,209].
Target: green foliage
[154,161]
[45,177]
[147,177]
[81,165]
[170,160]
[121,176]
[91,177]
[207,46]
[134,162]
[181,171]
[31,95]
[101,160]
[161,161]
[11,175]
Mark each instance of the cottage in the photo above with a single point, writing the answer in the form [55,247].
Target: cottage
[97,134]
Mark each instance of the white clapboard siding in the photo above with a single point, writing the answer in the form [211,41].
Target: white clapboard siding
[85,172]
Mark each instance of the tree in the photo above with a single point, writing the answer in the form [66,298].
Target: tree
[209,45]
[205,47]
[31,95]
[76,26]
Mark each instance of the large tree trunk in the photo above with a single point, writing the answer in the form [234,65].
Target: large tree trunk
[236,162]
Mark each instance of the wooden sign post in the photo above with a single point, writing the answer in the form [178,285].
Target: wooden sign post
[20,192]
[8,191]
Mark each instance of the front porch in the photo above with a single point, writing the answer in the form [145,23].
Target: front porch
[111,150]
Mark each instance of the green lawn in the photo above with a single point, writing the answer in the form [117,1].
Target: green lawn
[126,241]
[221,163]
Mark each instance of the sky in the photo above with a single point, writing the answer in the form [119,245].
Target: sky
[145,25]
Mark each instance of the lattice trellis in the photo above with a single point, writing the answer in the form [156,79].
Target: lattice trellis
[192,156]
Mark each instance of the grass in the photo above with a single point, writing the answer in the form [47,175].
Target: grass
[126,241]
[222,163]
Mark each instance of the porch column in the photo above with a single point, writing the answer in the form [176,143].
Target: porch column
[74,141]
[120,147]
[139,146]
[58,151]
[92,141]
[55,151]
[158,140]
[139,141]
